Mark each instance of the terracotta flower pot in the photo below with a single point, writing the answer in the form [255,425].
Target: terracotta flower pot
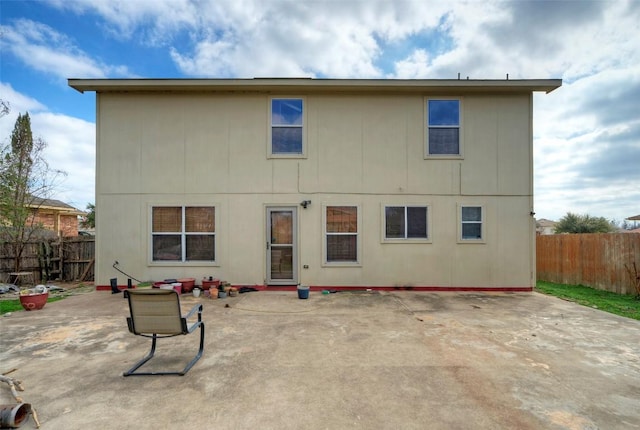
[187,284]
[215,283]
[34,302]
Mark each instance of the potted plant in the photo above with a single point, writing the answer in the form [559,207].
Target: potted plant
[33,299]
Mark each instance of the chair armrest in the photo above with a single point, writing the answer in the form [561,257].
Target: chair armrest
[198,309]
[193,310]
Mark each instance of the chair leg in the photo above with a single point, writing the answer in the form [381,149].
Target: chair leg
[199,354]
[132,371]
[144,360]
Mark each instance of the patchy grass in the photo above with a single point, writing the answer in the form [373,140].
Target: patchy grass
[13,305]
[623,305]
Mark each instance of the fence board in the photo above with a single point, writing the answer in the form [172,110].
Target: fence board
[596,260]
[67,259]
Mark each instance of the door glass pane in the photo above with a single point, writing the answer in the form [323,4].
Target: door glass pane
[281,227]
[282,262]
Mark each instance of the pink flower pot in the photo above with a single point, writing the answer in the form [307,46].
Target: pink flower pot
[34,302]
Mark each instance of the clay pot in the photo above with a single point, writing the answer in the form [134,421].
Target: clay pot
[187,284]
[34,302]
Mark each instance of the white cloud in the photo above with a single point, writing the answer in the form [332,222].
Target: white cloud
[276,38]
[44,49]
[18,102]
[153,21]
[70,145]
[585,132]
[587,146]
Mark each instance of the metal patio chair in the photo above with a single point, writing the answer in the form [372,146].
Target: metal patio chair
[156,314]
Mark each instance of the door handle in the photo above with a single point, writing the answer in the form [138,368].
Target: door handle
[268,245]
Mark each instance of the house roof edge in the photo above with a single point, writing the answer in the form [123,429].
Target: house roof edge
[312,84]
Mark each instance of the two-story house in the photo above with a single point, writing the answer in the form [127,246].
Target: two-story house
[320,182]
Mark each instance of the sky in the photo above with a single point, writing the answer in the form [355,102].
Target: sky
[586,133]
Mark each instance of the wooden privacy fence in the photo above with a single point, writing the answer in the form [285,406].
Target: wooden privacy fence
[599,260]
[67,259]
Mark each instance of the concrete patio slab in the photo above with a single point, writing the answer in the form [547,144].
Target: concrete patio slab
[379,360]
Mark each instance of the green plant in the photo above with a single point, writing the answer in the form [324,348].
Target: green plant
[573,223]
[634,277]
[25,180]
[13,305]
[89,220]
[623,305]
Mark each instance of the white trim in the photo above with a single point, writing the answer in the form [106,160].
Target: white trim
[425,129]
[482,222]
[183,262]
[303,126]
[405,240]
[358,262]
[268,208]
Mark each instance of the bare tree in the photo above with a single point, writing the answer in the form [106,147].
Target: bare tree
[25,181]
[5,108]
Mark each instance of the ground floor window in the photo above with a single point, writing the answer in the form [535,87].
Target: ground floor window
[471,223]
[406,222]
[341,230]
[183,233]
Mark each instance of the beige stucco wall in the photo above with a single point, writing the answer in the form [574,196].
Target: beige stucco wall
[365,150]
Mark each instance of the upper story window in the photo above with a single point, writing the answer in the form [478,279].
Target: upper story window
[406,222]
[472,223]
[443,127]
[287,126]
[183,233]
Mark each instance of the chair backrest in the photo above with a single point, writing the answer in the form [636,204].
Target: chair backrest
[155,311]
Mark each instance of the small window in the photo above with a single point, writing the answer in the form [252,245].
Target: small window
[341,234]
[471,217]
[287,122]
[183,233]
[443,127]
[406,222]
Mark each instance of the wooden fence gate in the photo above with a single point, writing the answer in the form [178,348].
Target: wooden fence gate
[67,259]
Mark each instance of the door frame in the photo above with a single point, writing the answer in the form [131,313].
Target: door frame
[294,245]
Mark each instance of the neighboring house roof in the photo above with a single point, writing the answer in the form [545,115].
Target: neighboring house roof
[542,222]
[54,205]
[545,226]
[634,218]
[448,86]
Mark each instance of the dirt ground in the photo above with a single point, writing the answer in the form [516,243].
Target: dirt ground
[69,288]
[383,360]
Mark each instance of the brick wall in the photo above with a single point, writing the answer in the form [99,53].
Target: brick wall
[68,224]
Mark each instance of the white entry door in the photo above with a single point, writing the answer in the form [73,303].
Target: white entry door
[282,253]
